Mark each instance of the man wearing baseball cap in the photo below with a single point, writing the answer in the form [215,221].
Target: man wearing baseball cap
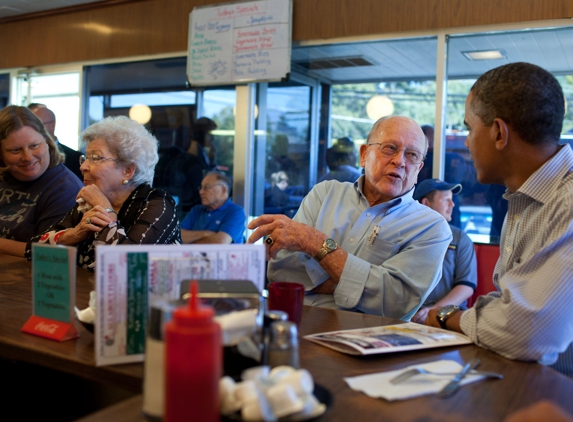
[459,272]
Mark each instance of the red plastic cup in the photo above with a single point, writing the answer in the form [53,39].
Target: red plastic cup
[287,297]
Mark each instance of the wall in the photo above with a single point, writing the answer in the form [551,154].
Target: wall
[160,26]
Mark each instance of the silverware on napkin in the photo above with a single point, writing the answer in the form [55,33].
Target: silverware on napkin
[454,384]
[412,372]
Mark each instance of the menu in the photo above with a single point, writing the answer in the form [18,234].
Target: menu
[239,42]
[53,282]
[388,339]
[130,278]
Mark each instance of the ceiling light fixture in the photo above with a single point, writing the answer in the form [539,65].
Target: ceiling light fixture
[379,106]
[485,55]
[140,113]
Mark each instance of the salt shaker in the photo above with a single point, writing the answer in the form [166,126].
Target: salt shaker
[283,348]
[153,380]
[270,317]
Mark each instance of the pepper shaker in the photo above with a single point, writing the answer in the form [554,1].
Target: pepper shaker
[283,348]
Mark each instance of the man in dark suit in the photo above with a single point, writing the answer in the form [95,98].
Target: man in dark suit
[48,118]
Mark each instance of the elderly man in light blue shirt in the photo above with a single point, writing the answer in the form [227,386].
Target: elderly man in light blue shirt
[367,246]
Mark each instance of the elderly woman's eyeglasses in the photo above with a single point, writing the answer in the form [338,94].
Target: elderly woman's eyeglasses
[94,159]
[391,150]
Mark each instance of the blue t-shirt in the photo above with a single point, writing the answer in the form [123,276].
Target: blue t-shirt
[229,218]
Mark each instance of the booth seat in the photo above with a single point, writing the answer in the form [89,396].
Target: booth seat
[486,256]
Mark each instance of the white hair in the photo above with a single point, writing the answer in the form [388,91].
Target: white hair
[130,141]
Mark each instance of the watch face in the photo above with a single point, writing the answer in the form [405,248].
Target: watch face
[330,244]
[446,310]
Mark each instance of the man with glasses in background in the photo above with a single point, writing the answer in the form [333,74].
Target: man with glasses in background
[217,219]
[365,246]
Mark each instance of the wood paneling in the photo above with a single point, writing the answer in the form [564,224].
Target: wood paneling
[160,26]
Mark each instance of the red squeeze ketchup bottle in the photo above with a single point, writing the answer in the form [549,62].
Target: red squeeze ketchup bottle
[193,363]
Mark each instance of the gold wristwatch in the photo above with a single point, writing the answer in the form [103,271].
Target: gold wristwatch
[329,245]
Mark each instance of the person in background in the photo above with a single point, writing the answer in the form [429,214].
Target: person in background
[201,144]
[459,271]
[180,175]
[48,119]
[276,196]
[366,246]
[37,190]
[456,170]
[217,219]
[514,114]
[117,205]
[341,160]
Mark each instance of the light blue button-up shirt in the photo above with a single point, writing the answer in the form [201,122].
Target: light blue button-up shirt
[387,274]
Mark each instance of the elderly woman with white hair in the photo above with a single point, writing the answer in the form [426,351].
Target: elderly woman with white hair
[117,205]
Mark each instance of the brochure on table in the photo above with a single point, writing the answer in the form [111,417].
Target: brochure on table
[53,292]
[131,278]
[388,339]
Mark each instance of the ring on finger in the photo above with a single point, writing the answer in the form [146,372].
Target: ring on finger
[269,240]
[89,220]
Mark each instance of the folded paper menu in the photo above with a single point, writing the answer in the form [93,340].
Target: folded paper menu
[388,339]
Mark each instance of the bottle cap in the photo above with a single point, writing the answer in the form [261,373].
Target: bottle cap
[273,316]
[284,332]
[195,314]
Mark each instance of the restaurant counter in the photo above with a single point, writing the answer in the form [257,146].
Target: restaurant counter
[487,400]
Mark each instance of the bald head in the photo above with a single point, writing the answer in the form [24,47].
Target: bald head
[405,123]
[392,158]
[48,118]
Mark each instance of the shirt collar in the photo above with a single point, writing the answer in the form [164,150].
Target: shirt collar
[393,203]
[225,205]
[556,168]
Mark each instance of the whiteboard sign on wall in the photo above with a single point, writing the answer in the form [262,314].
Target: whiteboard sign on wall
[239,42]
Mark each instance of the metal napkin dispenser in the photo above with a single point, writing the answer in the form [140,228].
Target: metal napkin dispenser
[226,296]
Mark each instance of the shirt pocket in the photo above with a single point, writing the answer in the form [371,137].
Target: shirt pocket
[380,252]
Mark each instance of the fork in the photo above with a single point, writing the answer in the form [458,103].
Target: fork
[421,371]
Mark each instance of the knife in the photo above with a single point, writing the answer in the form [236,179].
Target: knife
[454,384]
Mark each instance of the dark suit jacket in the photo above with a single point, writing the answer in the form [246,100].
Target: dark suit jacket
[72,160]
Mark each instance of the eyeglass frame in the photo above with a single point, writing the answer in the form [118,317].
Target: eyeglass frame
[397,151]
[209,187]
[84,158]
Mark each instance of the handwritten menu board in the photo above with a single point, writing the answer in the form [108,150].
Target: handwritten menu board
[239,42]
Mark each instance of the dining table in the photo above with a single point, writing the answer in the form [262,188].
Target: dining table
[523,383]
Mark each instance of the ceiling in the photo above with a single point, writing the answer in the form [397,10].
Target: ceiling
[415,59]
[406,59]
[11,8]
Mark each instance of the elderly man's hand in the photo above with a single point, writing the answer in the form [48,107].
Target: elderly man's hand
[286,234]
[326,288]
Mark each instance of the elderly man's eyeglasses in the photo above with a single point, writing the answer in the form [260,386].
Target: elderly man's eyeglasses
[205,187]
[94,159]
[391,150]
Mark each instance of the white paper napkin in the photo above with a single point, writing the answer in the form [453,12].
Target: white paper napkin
[236,326]
[379,386]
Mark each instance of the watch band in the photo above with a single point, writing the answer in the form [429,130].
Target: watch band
[322,253]
[445,313]
[329,245]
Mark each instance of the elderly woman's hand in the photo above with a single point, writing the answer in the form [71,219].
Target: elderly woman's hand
[93,196]
[94,220]
[286,234]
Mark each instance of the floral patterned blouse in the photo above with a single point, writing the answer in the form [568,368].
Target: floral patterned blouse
[148,216]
